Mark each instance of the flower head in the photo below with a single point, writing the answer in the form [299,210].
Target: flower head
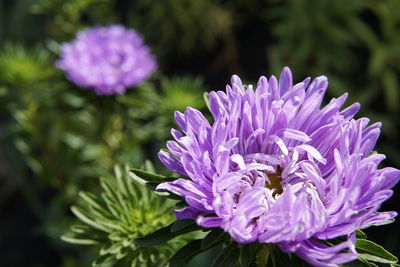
[275,167]
[107,59]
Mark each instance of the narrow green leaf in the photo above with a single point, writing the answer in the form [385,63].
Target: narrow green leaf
[363,261]
[364,32]
[164,234]
[377,252]
[379,224]
[228,257]
[102,260]
[121,181]
[186,253]
[71,238]
[360,234]
[151,180]
[215,236]
[80,214]
[81,228]
[385,222]
[391,86]
[153,184]
[181,204]
[148,166]
[169,195]
[110,248]
[297,262]
[181,224]
[263,256]
[146,176]
[374,258]
[248,254]
[90,199]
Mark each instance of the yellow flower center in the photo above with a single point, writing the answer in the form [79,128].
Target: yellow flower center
[275,181]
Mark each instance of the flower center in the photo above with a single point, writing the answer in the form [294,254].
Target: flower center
[275,181]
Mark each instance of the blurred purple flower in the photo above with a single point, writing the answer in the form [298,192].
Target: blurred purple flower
[107,59]
[276,168]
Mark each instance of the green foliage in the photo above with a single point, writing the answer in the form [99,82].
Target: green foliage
[22,67]
[116,218]
[383,46]
[16,22]
[56,138]
[311,27]
[151,181]
[68,15]
[165,234]
[376,252]
[186,253]
[181,92]
[203,24]
[68,136]
[340,39]
[157,104]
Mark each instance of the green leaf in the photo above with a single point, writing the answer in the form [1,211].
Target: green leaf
[148,166]
[228,257]
[373,258]
[153,184]
[186,253]
[75,239]
[169,195]
[78,212]
[151,180]
[112,219]
[248,253]
[146,176]
[377,252]
[181,224]
[111,248]
[297,262]
[391,85]
[164,234]
[385,222]
[214,237]
[90,199]
[195,247]
[102,260]
[360,234]
[363,261]
[246,256]
[264,255]
[379,224]
[181,204]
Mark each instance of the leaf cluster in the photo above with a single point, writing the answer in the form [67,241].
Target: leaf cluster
[117,218]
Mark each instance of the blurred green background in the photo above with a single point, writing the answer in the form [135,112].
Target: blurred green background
[56,139]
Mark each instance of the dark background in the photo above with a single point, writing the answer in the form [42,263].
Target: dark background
[355,43]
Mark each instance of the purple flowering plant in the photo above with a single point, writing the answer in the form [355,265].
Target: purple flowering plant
[107,59]
[275,178]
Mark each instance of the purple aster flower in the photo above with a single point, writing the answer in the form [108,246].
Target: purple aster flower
[107,59]
[275,167]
